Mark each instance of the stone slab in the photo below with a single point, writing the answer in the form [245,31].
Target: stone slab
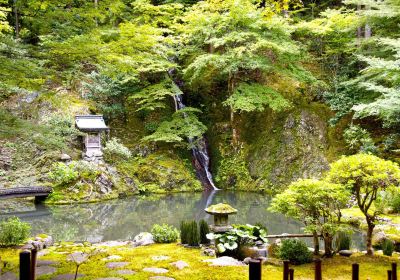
[116,264]
[69,276]
[44,270]
[156,270]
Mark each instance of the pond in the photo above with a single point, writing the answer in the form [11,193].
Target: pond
[122,219]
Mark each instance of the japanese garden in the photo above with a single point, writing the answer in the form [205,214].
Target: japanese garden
[199,139]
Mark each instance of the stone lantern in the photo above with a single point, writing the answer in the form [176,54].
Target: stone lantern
[221,211]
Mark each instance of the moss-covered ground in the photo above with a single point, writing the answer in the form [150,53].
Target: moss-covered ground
[336,268]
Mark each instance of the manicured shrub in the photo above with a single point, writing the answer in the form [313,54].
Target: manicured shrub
[193,234]
[184,229]
[164,233]
[115,151]
[204,230]
[343,241]
[295,251]
[387,247]
[13,232]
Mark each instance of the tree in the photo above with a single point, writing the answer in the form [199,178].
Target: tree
[317,204]
[233,42]
[367,177]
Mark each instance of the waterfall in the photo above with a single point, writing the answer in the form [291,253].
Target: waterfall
[201,159]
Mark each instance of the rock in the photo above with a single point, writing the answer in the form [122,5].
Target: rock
[104,183]
[44,270]
[126,272]
[224,261]
[112,243]
[38,245]
[8,276]
[378,237]
[208,252]
[48,242]
[65,157]
[116,264]
[111,258]
[247,260]
[345,253]
[45,263]
[143,239]
[30,97]
[156,270]
[160,258]
[110,278]
[161,278]
[69,276]
[180,264]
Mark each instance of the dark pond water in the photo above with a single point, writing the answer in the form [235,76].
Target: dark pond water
[122,219]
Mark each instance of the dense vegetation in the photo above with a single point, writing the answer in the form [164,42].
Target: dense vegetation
[279,88]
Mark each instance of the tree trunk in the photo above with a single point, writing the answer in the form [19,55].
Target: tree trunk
[316,243]
[328,240]
[16,19]
[370,230]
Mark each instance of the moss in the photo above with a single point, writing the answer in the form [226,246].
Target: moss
[221,208]
[335,268]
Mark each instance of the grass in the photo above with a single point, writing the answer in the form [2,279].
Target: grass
[337,268]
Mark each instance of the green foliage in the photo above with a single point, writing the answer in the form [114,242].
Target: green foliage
[387,247]
[234,240]
[343,241]
[183,125]
[368,177]
[395,202]
[63,174]
[295,251]
[255,97]
[184,232]
[164,233]
[316,203]
[359,139]
[13,232]
[154,96]
[204,230]
[193,237]
[115,151]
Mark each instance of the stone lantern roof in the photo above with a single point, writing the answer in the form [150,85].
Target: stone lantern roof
[90,123]
[220,208]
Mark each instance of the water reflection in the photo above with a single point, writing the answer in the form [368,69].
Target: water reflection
[124,218]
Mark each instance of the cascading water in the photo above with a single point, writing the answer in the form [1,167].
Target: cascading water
[201,159]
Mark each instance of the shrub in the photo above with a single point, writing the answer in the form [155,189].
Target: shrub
[13,232]
[204,230]
[343,241]
[115,151]
[193,234]
[63,174]
[86,170]
[184,229]
[395,202]
[164,233]
[387,247]
[358,139]
[295,251]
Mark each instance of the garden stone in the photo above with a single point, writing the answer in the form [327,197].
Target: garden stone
[113,243]
[143,239]
[209,252]
[8,276]
[44,270]
[161,278]
[224,261]
[126,272]
[109,278]
[160,258]
[156,270]
[113,257]
[45,263]
[116,264]
[345,253]
[65,157]
[180,264]
[69,276]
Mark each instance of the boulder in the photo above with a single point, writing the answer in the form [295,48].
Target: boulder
[143,239]
[65,157]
